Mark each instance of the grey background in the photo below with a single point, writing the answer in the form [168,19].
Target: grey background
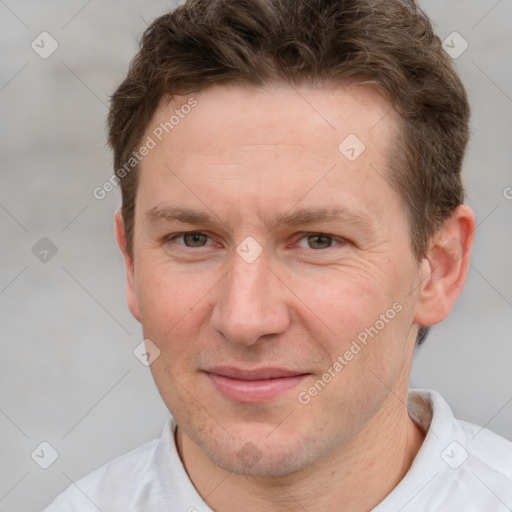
[69,376]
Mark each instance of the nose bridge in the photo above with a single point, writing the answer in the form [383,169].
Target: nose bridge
[248,281]
[250,303]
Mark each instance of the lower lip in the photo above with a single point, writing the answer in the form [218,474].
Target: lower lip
[254,391]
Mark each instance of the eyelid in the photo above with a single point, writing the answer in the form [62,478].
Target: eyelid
[304,234]
[172,237]
[298,237]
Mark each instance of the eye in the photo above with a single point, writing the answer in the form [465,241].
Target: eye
[190,239]
[317,241]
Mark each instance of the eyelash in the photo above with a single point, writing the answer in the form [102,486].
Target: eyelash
[335,239]
[171,238]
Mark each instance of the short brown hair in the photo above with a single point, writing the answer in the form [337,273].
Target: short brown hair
[388,43]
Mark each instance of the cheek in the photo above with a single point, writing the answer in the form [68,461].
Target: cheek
[345,301]
[364,317]
[171,305]
[167,293]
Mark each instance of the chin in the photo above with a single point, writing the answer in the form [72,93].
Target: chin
[256,454]
[259,463]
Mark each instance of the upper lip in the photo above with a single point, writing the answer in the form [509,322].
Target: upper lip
[254,374]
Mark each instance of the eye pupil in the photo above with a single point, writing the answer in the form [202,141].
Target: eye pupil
[194,239]
[319,241]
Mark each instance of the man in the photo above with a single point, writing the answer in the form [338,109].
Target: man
[292,222]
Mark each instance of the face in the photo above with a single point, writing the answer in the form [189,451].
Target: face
[272,267]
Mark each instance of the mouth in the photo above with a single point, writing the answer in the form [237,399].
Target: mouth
[255,385]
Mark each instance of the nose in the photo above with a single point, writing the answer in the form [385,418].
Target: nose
[251,303]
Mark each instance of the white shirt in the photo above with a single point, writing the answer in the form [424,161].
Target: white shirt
[460,468]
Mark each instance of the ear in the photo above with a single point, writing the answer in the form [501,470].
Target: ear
[445,267]
[131,294]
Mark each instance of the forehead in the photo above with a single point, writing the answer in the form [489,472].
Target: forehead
[269,147]
[277,114]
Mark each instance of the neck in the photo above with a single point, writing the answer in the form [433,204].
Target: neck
[355,478]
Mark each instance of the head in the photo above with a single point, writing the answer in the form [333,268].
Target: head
[312,151]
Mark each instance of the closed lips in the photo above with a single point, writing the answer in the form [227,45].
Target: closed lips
[255,385]
[254,374]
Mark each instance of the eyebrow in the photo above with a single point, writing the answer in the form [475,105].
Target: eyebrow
[303,216]
[185,215]
[339,214]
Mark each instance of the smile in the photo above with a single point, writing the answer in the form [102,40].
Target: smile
[253,386]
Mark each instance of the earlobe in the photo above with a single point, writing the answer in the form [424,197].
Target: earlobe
[131,293]
[445,267]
